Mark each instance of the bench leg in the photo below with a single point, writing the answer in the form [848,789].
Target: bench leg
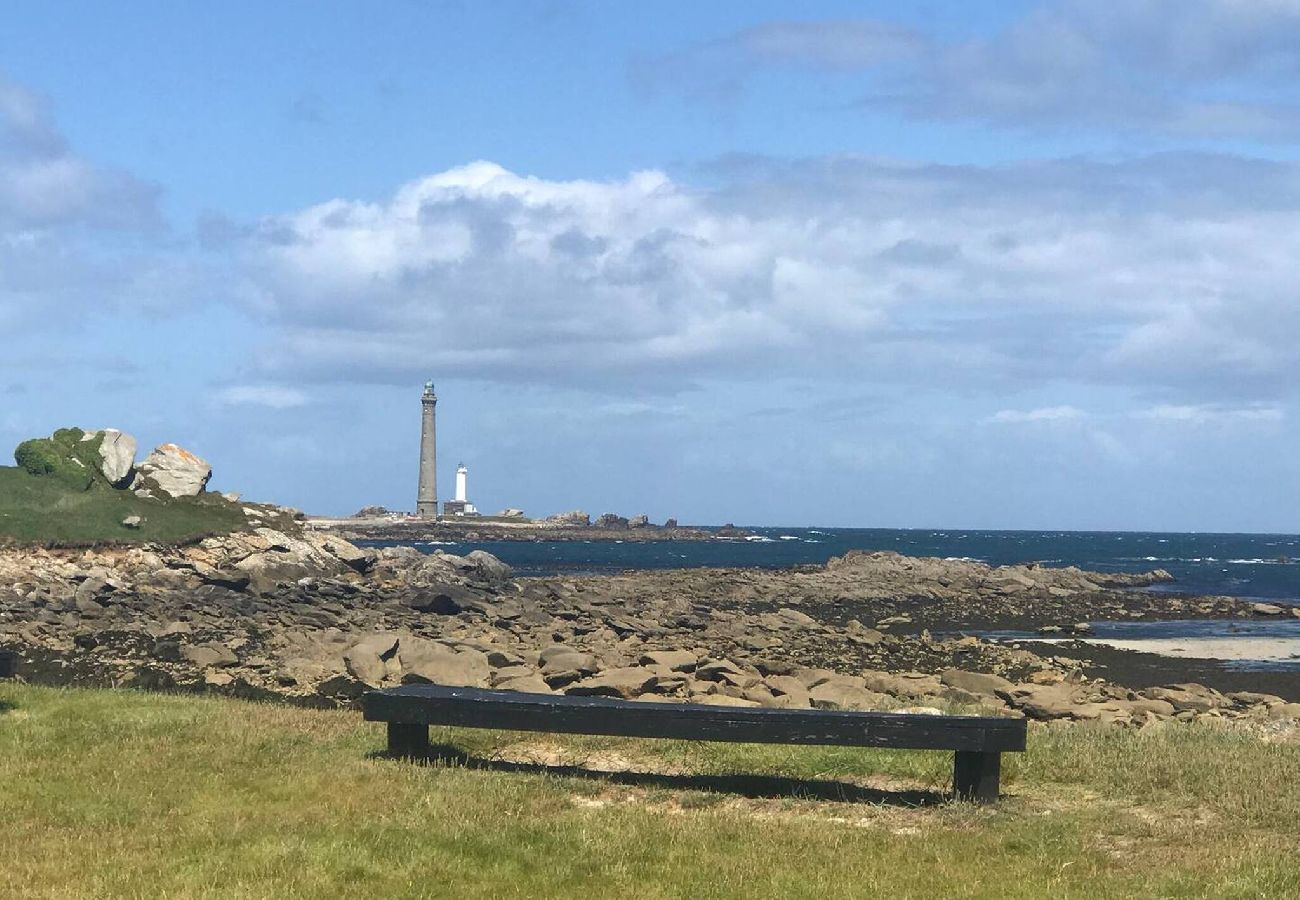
[408,740]
[975,776]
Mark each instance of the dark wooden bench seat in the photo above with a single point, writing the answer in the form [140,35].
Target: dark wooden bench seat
[978,742]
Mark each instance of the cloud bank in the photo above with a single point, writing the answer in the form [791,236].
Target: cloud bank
[1147,275]
[1181,68]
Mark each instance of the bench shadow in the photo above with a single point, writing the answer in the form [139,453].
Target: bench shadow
[752,786]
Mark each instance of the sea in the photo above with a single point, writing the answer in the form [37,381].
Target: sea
[1257,566]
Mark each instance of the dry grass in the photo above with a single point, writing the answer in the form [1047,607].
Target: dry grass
[119,794]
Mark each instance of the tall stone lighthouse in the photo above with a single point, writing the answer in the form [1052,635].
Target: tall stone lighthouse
[426,501]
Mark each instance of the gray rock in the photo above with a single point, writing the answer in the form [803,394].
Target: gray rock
[365,659]
[975,682]
[626,682]
[576,518]
[132,522]
[116,455]
[210,655]
[845,693]
[489,568]
[440,599]
[674,660]
[173,471]
[432,662]
[1267,609]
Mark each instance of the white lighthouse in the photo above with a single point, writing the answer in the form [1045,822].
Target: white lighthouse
[462,479]
[461,505]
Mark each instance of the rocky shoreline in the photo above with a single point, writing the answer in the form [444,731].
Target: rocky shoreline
[306,617]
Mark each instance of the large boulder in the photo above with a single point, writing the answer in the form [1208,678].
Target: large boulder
[174,471]
[430,662]
[116,454]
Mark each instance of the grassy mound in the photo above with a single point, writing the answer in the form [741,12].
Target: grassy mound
[121,794]
[49,509]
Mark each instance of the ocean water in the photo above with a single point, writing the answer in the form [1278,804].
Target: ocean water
[1262,566]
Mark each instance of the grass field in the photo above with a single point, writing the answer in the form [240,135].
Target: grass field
[123,794]
[45,510]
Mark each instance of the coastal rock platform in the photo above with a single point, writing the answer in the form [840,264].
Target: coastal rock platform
[309,618]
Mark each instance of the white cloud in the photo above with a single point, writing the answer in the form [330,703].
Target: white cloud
[1142,273]
[1043,414]
[1210,414]
[270,396]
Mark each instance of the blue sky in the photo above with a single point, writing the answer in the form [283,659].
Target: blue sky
[934,264]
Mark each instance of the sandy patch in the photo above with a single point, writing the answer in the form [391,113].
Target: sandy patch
[1261,648]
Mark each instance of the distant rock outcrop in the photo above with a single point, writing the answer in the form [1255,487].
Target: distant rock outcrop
[638,522]
[371,512]
[577,517]
[173,471]
[611,520]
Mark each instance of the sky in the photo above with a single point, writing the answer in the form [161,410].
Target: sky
[939,264]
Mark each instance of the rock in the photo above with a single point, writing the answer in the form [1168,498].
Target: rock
[576,518]
[1048,701]
[132,522]
[173,471]
[638,521]
[562,665]
[210,655]
[844,693]
[1285,711]
[116,455]
[1189,697]
[723,700]
[611,520]
[670,523]
[528,684]
[673,660]
[488,568]
[626,682]
[1267,609]
[789,686]
[365,659]
[796,618]
[370,512]
[441,599]
[349,554]
[976,682]
[431,662]
[230,579]
[861,634]
[1160,708]
[511,513]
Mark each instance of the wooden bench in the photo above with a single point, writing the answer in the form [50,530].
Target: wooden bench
[978,742]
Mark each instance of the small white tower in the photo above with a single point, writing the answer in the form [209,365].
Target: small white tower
[462,479]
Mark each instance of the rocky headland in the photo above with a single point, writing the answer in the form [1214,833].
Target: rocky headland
[282,611]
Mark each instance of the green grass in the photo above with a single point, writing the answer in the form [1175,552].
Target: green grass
[49,510]
[122,794]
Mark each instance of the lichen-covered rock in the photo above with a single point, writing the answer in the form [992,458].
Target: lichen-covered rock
[174,471]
